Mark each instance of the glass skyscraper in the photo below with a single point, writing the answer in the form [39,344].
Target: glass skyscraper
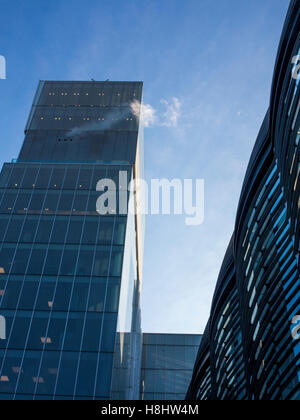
[249,351]
[70,279]
[167,365]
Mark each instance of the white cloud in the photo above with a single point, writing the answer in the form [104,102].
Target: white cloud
[153,118]
[172,114]
[147,113]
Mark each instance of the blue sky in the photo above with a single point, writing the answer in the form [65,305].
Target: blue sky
[216,57]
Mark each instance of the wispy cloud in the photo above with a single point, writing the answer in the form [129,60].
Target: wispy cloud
[152,117]
[173,112]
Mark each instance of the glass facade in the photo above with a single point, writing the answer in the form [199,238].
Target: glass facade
[167,365]
[69,278]
[250,351]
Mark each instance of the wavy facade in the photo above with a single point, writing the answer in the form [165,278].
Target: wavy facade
[248,352]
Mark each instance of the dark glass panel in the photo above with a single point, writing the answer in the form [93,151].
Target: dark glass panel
[43,178]
[44,229]
[92,204]
[38,330]
[56,331]
[85,261]
[16,176]
[29,293]
[106,230]
[5,174]
[28,377]
[66,202]
[109,332]
[6,258]
[92,332]
[11,294]
[21,259]
[19,330]
[69,261]
[30,176]
[71,178]
[97,295]
[62,296]
[37,201]
[90,231]
[59,230]
[37,260]
[46,295]
[51,201]
[57,178]
[29,230]
[22,202]
[86,374]
[80,294]
[103,384]
[14,229]
[75,229]
[3,226]
[113,294]
[101,262]
[53,261]
[120,231]
[8,201]
[10,371]
[116,263]
[74,332]
[48,373]
[84,180]
[80,202]
[67,374]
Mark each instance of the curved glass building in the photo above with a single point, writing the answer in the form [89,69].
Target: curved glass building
[249,350]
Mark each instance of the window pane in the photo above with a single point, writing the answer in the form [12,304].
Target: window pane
[87,374]
[92,332]
[65,202]
[29,293]
[37,260]
[30,177]
[90,231]
[29,372]
[69,261]
[46,295]
[37,201]
[44,230]
[67,374]
[22,202]
[75,229]
[101,262]
[8,201]
[29,230]
[14,229]
[3,226]
[85,262]
[51,201]
[43,178]
[57,178]
[71,178]
[80,294]
[16,176]
[48,373]
[97,295]
[62,296]
[21,259]
[38,330]
[59,230]
[74,332]
[53,261]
